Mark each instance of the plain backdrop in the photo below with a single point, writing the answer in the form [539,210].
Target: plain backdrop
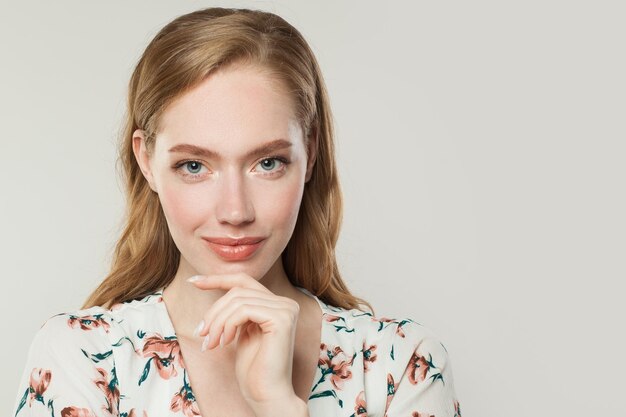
[481,148]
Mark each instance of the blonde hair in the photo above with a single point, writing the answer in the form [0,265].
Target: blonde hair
[180,56]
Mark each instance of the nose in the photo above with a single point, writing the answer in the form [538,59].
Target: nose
[234,205]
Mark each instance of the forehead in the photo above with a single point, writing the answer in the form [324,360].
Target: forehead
[232,105]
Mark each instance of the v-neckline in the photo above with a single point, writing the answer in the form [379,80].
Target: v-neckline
[171,331]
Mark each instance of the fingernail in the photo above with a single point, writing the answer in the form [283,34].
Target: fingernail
[194,278]
[222,340]
[205,342]
[197,331]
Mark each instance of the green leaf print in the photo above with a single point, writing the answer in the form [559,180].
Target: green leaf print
[146,370]
[97,357]
[51,407]
[327,393]
[344,327]
[22,401]
[437,376]
[119,343]
[430,361]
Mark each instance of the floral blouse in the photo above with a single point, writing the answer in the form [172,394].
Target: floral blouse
[125,361]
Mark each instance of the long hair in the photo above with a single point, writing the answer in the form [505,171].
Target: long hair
[182,55]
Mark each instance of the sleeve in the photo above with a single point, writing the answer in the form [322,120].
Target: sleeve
[422,385]
[69,371]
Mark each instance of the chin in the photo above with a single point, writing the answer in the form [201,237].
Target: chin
[224,267]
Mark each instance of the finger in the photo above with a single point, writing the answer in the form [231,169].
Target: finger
[219,326]
[270,318]
[229,330]
[253,327]
[226,281]
[232,294]
[222,325]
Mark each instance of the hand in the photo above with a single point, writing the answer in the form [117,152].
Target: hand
[266,326]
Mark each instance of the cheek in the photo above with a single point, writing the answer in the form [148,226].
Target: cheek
[181,206]
[280,206]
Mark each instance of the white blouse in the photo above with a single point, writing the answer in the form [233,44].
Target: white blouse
[125,361]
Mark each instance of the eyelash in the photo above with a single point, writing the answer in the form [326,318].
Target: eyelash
[284,161]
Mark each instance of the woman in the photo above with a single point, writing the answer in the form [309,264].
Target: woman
[225,278]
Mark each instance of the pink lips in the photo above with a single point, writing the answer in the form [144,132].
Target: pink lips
[234,249]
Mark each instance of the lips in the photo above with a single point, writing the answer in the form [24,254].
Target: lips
[234,249]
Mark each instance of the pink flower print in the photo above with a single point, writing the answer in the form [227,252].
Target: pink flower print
[337,362]
[88,322]
[418,368]
[417,414]
[133,413]
[391,391]
[185,403]
[331,318]
[382,321]
[400,332]
[76,412]
[369,356]
[165,353]
[38,383]
[360,408]
[110,390]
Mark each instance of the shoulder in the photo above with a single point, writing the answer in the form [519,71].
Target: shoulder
[396,339]
[408,338]
[421,346]
[403,331]
[70,361]
[417,336]
[102,323]
[86,328]
[390,337]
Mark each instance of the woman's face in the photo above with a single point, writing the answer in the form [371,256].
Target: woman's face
[229,162]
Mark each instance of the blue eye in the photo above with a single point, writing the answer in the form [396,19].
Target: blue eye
[271,161]
[268,165]
[192,172]
[196,163]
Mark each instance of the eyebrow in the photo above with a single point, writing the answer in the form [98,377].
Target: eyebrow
[208,153]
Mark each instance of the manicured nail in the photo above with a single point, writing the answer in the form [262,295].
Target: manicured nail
[205,342]
[197,331]
[194,278]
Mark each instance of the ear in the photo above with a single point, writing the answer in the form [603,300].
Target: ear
[312,153]
[142,156]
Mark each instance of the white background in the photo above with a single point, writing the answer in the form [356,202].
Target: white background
[481,150]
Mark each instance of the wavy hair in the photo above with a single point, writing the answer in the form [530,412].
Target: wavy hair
[182,55]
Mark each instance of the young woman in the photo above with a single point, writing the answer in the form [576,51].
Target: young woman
[231,181]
